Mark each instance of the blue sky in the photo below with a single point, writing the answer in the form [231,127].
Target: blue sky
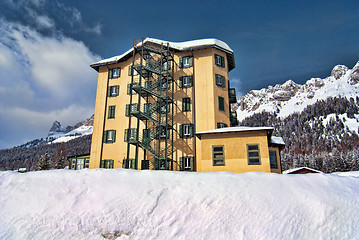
[46,48]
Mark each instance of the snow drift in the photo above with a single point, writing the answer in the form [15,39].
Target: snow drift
[128,204]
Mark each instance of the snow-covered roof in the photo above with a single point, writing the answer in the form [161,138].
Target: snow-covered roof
[300,168]
[179,46]
[235,129]
[277,140]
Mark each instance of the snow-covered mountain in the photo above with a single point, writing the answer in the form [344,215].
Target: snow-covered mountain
[290,97]
[58,133]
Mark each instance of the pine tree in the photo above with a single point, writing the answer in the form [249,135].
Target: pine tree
[44,163]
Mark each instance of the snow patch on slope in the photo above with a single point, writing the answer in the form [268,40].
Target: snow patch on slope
[94,204]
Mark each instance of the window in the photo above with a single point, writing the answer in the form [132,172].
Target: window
[220,81]
[145,164]
[106,163]
[112,91]
[186,62]
[132,71]
[114,73]
[128,163]
[148,85]
[221,103]
[165,85]
[131,108]
[186,81]
[130,134]
[187,163]
[162,133]
[186,104]
[221,125]
[129,92]
[186,130]
[147,108]
[111,112]
[166,66]
[109,136]
[218,155]
[253,154]
[219,60]
[79,163]
[273,159]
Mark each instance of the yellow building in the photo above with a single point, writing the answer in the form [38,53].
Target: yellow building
[153,100]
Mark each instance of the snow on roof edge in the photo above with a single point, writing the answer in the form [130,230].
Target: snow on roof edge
[181,46]
[298,168]
[234,129]
[277,140]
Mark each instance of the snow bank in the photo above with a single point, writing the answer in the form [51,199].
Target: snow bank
[100,204]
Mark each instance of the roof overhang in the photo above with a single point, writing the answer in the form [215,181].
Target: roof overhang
[229,130]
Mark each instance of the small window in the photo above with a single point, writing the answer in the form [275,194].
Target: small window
[112,91]
[106,163]
[186,62]
[128,163]
[132,71]
[187,163]
[131,108]
[130,135]
[221,125]
[220,81]
[273,159]
[221,103]
[186,130]
[109,136]
[129,88]
[87,163]
[253,154]
[114,73]
[145,164]
[186,81]
[186,104]
[166,66]
[165,85]
[219,60]
[218,155]
[162,133]
[111,112]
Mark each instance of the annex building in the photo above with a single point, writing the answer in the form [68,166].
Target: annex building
[166,106]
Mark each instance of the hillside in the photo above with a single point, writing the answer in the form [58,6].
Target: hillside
[127,204]
[290,97]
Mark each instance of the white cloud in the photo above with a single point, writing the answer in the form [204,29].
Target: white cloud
[42,79]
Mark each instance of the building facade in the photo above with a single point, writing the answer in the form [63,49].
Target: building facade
[152,100]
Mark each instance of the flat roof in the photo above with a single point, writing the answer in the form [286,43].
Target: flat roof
[178,46]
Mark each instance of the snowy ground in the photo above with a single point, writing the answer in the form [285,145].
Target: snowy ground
[105,204]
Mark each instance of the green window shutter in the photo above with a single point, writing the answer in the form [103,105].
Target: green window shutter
[109,92]
[192,163]
[114,136]
[129,70]
[181,131]
[133,164]
[191,80]
[128,89]
[190,61]
[181,164]
[222,61]
[102,164]
[181,62]
[221,103]
[127,113]
[117,90]
[110,73]
[105,136]
[181,82]
[123,163]
[126,135]
[110,164]
[191,130]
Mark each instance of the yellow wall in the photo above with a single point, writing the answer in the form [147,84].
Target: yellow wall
[235,151]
